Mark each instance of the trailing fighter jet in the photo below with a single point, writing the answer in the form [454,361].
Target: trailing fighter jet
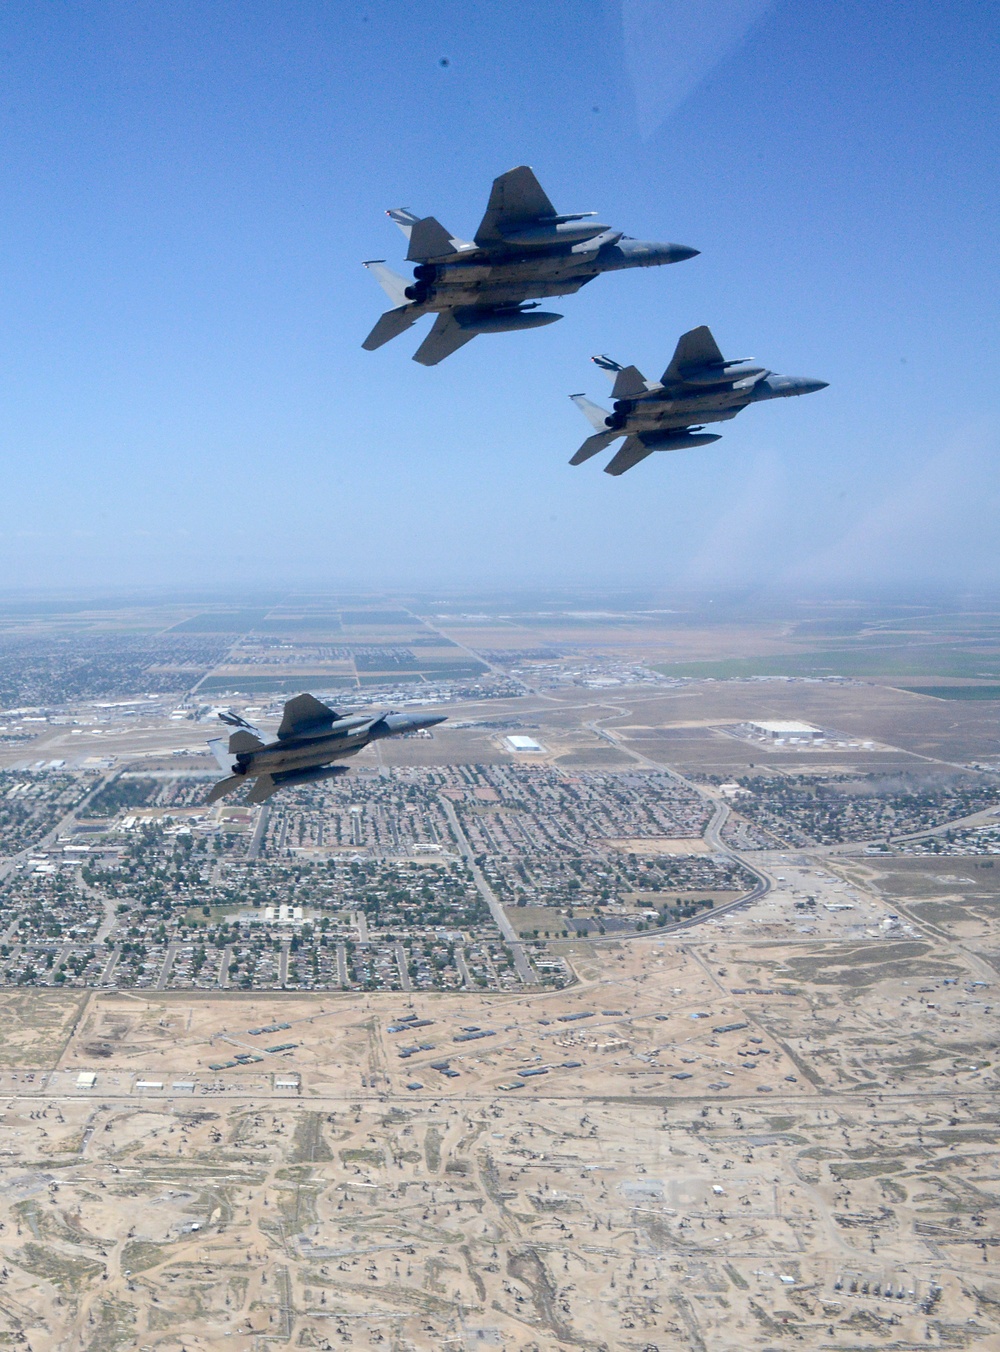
[523,249]
[310,736]
[699,386]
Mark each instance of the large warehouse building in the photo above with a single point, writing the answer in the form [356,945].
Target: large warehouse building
[786,732]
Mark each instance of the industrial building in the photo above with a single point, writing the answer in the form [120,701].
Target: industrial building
[788,732]
[518,742]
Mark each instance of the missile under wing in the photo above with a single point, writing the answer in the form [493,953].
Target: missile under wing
[523,251]
[699,386]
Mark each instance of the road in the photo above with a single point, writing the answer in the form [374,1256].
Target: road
[404,975]
[463,970]
[522,966]
[62,827]
[259,831]
[168,962]
[109,967]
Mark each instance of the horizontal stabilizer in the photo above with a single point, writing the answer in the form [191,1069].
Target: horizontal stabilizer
[263,787]
[403,218]
[225,786]
[391,325]
[391,283]
[630,454]
[446,337]
[304,715]
[697,347]
[593,445]
[595,415]
[429,239]
[516,199]
[629,382]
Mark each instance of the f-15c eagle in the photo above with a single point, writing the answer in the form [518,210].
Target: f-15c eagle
[523,249]
[699,386]
[311,735]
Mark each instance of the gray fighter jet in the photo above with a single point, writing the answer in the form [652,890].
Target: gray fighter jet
[699,386]
[523,249]
[310,736]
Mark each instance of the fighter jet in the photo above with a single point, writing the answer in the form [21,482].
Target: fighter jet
[523,249]
[310,736]
[699,386]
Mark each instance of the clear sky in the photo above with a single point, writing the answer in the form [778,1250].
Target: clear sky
[188,191]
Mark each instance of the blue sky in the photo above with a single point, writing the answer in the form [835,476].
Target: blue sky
[188,191]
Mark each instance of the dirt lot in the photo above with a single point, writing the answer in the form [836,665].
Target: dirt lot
[729,1145]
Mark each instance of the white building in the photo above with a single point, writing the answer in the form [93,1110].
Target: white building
[788,732]
[518,742]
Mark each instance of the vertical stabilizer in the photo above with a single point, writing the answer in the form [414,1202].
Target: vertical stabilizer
[595,415]
[391,283]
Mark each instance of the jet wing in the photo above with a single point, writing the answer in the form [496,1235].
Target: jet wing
[630,454]
[516,200]
[304,714]
[695,348]
[446,337]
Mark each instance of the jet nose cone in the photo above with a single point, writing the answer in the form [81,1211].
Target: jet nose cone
[429,720]
[681,252]
[412,722]
[811,386]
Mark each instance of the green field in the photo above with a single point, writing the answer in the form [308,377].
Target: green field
[298,624]
[979,692]
[220,622]
[260,685]
[890,662]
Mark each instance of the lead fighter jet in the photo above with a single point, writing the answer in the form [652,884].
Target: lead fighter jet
[523,249]
[699,386]
[310,736]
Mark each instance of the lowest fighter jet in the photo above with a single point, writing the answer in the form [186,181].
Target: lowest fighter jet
[310,736]
[699,386]
[523,249]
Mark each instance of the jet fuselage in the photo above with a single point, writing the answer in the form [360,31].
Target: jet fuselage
[345,738]
[502,277]
[664,408]
[311,737]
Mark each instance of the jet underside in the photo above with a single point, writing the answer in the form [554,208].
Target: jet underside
[666,414]
[277,757]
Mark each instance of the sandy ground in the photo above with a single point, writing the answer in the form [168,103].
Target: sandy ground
[670,1181]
